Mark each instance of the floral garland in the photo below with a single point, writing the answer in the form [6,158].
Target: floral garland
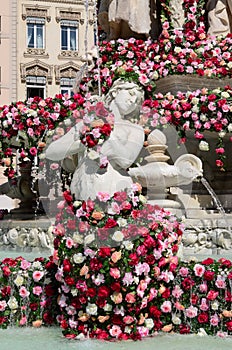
[98,125]
[28,292]
[200,110]
[112,256]
[24,127]
[144,62]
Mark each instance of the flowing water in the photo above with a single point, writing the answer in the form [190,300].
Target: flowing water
[214,196]
[51,338]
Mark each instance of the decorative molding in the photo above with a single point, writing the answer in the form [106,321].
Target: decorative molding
[71,14]
[36,68]
[67,70]
[35,11]
[68,54]
[33,53]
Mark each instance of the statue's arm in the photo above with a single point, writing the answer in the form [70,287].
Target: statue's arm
[123,146]
[65,146]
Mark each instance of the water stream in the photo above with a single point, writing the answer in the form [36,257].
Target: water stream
[216,201]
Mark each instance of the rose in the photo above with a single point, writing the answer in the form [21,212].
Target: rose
[103,292]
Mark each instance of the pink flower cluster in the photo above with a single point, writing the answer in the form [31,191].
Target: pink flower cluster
[27,293]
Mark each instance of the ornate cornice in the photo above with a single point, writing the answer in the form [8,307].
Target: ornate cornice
[67,70]
[68,54]
[36,68]
[35,11]
[33,53]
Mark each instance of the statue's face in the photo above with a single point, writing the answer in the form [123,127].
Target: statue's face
[126,100]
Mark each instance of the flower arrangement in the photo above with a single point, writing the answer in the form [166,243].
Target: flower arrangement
[24,127]
[27,292]
[113,254]
[201,110]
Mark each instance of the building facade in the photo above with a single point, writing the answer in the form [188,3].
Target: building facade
[44,45]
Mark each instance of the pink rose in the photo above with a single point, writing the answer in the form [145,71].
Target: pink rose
[114,272]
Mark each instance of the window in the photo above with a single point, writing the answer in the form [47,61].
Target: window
[36,86]
[35,32]
[66,86]
[69,30]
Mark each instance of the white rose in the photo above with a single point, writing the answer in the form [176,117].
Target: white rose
[149,323]
[195,100]
[93,155]
[67,122]
[214,305]
[77,238]
[77,204]
[74,292]
[78,258]
[122,222]
[128,245]
[222,133]
[19,280]
[225,94]
[155,75]
[13,235]
[216,91]
[91,309]
[118,236]
[37,265]
[230,65]
[128,329]
[229,127]
[136,280]
[177,49]
[12,303]
[195,109]
[107,307]
[176,320]
[203,146]
[142,199]
[81,336]
[90,238]
[203,117]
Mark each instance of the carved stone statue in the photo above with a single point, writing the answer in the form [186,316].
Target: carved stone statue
[124,19]
[121,148]
[219,17]
[177,14]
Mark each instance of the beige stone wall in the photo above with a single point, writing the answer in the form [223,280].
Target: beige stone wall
[8,51]
[51,62]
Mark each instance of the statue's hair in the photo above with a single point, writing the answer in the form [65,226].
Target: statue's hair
[121,84]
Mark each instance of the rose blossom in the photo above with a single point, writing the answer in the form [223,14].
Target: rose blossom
[23,292]
[199,270]
[114,272]
[115,331]
[116,297]
[130,298]
[166,306]
[3,305]
[91,309]
[37,290]
[191,312]
[38,275]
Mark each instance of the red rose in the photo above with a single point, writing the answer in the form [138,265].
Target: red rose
[208,261]
[134,259]
[103,292]
[125,206]
[104,252]
[208,275]
[95,264]
[194,299]
[67,266]
[91,292]
[203,317]
[150,259]
[106,129]
[6,271]
[5,291]
[229,325]
[110,223]
[70,281]
[67,196]
[212,295]
[154,311]
[184,329]
[91,142]
[116,287]
[212,97]
[187,283]
[33,306]
[120,196]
